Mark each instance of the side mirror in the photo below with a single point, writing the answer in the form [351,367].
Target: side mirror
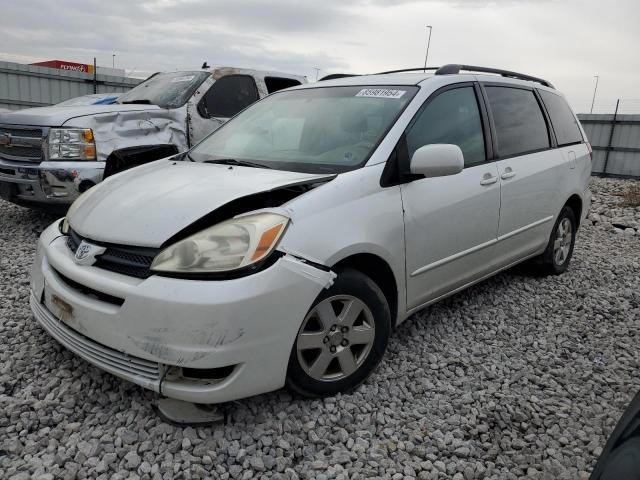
[437,160]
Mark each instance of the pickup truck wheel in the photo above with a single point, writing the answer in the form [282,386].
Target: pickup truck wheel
[342,338]
[556,257]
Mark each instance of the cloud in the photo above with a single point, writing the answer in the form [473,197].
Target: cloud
[568,41]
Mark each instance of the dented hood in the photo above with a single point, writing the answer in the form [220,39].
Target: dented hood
[147,205]
[58,116]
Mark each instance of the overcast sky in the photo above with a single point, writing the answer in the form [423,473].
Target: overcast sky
[566,42]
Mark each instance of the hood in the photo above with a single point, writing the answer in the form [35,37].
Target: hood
[57,116]
[147,205]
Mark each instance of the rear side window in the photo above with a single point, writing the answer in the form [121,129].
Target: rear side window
[452,117]
[564,122]
[519,122]
[228,96]
[278,83]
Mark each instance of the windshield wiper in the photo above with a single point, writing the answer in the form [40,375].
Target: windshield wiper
[141,102]
[238,163]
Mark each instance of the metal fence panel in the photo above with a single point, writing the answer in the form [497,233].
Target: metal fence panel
[24,86]
[616,137]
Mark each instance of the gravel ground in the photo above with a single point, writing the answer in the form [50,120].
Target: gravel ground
[518,377]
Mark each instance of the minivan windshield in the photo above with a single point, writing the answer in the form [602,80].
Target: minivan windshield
[316,130]
[166,90]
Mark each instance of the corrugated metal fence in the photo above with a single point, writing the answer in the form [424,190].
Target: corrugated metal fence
[24,86]
[615,140]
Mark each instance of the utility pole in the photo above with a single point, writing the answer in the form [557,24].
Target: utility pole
[317,72]
[597,77]
[113,60]
[426,57]
[95,76]
[613,127]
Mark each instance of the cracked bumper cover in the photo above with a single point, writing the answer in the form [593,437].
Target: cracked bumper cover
[249,322]
[47,183]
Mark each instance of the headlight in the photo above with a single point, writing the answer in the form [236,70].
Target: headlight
[230,245]
[65,227]
[71,144]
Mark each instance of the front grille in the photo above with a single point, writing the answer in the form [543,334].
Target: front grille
[98,295]
[123,259]
[73,241]
[22,144]
[98,354]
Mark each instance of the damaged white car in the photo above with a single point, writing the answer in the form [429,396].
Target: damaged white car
[49,155]
[285,247]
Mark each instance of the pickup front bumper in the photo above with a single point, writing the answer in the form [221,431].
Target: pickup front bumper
[47,184]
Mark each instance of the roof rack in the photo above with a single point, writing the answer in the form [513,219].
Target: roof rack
[334,76]
[421,69]
[453,69]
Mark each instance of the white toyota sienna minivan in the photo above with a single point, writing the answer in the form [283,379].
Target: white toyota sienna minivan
[285,247]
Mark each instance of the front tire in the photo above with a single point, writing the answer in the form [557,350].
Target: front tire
[556,257]
[342,338]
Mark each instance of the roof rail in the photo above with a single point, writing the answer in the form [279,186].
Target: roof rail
[417,69]
[453,69]
[334,76]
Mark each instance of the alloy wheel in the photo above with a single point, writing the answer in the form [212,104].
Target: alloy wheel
[335,338]
[562,243]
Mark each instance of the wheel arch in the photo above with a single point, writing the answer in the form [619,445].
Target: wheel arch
[376,268]
[575,203]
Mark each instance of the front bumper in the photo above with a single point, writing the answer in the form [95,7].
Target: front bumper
[164,324]
[47,183]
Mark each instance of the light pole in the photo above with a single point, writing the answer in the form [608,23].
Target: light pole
[428,43]
[597,77]
[113,60]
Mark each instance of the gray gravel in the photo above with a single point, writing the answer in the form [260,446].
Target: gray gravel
[519,377]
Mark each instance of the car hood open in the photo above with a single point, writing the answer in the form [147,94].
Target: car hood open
[147,205]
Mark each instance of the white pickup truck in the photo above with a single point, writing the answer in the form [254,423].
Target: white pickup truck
[49,155]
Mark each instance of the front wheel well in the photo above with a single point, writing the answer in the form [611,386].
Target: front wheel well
[377,270]
[575,203]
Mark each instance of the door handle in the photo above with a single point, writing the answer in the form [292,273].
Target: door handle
[508,173]
[488,179]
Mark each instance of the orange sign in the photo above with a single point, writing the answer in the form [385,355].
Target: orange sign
[64,65]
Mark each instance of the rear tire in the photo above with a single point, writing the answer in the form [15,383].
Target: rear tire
[556,257]
[342,338]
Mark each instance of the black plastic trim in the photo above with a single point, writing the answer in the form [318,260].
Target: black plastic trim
[219,373]
[104,297]
[551,133]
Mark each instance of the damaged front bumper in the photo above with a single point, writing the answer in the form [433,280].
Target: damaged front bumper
[160,332]
[47,183]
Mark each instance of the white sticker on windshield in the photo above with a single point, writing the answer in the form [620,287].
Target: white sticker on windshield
[184,78]
[380,93]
